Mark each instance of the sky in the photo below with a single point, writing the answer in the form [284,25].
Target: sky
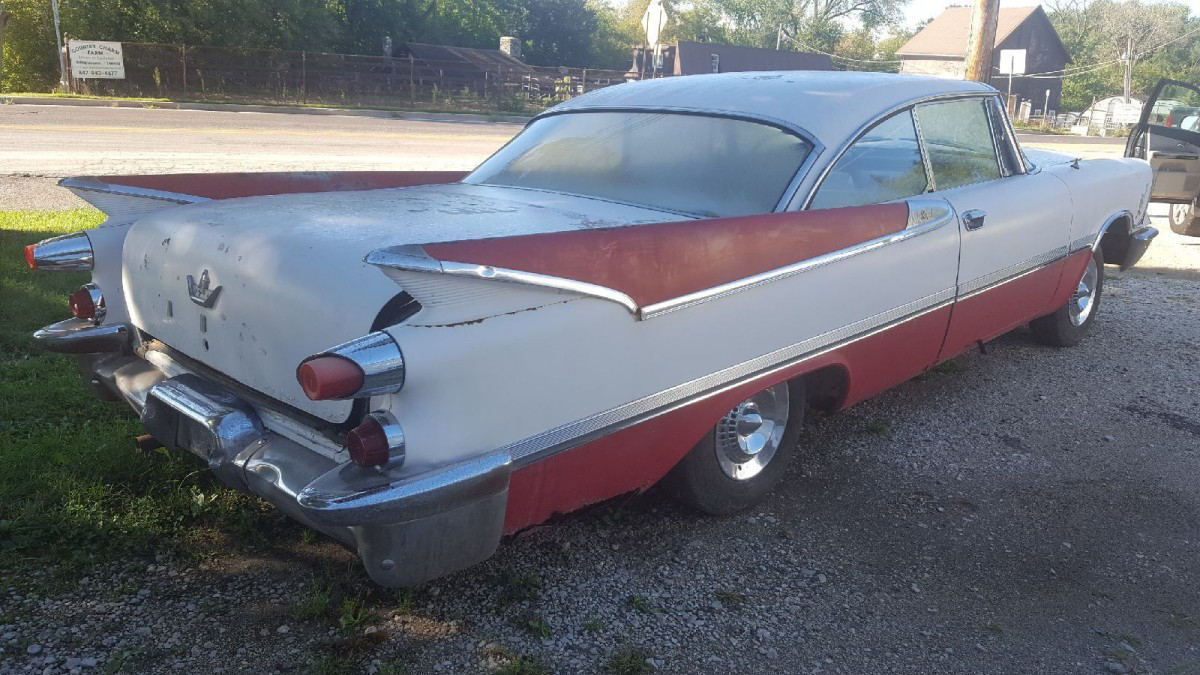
[919,10]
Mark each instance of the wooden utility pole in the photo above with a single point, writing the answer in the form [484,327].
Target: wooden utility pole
[982,40]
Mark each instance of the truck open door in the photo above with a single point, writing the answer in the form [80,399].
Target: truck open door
[1168,136]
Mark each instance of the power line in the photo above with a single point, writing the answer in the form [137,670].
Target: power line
[1081,70]
[832,56]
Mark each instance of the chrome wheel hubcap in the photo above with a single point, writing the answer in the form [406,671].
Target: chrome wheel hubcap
[1080,307]
[748,436]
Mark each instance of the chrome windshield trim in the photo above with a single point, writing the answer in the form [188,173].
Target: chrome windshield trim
[925,215]
[96,185]
[414,259]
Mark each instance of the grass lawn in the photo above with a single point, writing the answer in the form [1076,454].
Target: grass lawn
[73,490]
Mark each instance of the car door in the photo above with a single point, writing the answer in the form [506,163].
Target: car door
[1015,224]
[1168,136]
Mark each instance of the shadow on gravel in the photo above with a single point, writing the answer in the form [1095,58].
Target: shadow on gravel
[1168,272]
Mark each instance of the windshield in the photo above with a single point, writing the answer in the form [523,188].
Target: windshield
[695,164]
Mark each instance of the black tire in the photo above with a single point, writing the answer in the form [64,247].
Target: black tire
[700,482]
[1184,220]
[1062,328]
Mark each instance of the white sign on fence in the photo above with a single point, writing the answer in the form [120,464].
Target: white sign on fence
[1127,113]
[90,59]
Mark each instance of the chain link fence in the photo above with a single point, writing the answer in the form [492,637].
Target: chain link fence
[185,72]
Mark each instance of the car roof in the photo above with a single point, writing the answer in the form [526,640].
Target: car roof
[830,105]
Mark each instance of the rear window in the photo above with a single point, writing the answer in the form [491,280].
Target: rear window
[693,164]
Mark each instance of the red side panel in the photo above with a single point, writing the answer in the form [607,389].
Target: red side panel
[637,457]
[652,263]
[998,310]
[230,185]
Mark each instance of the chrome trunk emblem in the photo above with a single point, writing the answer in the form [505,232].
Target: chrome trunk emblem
[200,293]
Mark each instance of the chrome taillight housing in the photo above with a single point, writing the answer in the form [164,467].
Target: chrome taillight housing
[378,441]
[68,252]
[371,365]
[88,303]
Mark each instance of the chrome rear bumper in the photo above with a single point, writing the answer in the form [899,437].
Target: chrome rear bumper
[408,525]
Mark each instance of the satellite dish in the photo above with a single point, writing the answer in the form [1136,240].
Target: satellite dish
[654,21]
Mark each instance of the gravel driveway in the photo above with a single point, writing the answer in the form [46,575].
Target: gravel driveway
[1023,510]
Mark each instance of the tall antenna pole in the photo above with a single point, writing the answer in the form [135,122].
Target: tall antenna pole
[982,40]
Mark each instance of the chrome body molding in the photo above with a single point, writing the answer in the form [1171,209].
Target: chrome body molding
[413,258]
[380,359]
[66,252]
[93,185]
[1011,272]
[1095,241]
[924,215]
[576,433]
[81,336]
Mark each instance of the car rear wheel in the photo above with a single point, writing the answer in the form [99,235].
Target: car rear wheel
[1185,220]
[738,462]
[1067,325]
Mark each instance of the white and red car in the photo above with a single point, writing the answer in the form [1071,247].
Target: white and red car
[651,282]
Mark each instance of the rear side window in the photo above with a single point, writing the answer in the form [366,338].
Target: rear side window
[883,165]
[959,142]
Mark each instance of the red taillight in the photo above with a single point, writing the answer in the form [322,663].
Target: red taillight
[82,305]
[1170,121]
[30,258]
[368,444]
[329,377]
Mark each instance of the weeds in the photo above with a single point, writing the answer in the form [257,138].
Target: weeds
[314,604]
[880,429]
[519,587]
[730,598]
[641,605]
[355,613]
[627,660]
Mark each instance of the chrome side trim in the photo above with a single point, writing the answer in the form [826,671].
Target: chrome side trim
[1095,244]
[576,433]
[924,215]
[95,185]
[987,281]
[380,359]
[414,259]
[81,336]
[1081,243]
[65,252]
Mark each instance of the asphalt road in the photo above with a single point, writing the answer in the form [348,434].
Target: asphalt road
[67,140]
[1027,510]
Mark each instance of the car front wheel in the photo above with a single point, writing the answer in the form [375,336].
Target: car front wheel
[744,455]
[1067,325]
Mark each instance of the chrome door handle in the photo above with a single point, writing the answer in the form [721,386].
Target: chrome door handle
[973,219]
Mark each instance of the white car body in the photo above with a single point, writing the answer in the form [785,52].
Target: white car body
[545,369]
